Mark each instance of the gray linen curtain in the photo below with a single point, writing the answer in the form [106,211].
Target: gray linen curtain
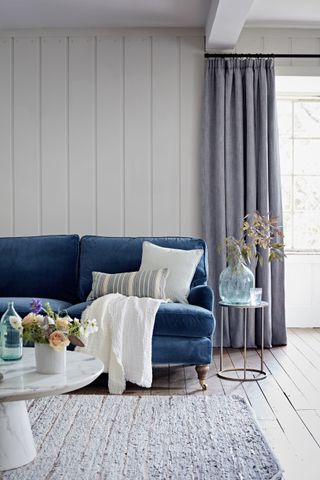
[241,174]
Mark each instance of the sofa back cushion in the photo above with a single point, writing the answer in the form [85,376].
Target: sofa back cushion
[123,254]
[44,266]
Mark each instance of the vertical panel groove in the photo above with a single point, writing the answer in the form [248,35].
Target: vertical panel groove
[26,141]
[110,135]
[40,139]
[151,137]
[165,110]
[95,136]
[137,118]
[81,134]
[67,132]
[124,135]
[12,137]
[179,140]
[6,211]
[191,81]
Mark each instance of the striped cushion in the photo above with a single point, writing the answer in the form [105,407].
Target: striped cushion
[149,283]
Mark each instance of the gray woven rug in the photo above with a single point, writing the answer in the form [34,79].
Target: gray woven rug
[91,437]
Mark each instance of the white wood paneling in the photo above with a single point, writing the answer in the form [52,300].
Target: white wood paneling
[303,45]
[190,110]
[274,44]
[138,161]
[100,131]
[54,159]
[284,40]
[249,43]
[26,150]
[6,189]
[82,124]
[110,131]
[165,135]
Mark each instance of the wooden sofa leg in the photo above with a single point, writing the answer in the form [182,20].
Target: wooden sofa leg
[202,371]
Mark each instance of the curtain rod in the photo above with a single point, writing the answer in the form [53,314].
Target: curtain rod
[262,55]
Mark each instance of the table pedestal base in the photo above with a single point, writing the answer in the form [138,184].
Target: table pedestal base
[16,440]
[261,374]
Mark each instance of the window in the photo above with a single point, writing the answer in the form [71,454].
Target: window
[299,129]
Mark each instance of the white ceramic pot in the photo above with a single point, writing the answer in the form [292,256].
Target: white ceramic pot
[49,360]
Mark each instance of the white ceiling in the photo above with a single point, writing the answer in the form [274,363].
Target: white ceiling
[102,13]
[285,13]
[16,14]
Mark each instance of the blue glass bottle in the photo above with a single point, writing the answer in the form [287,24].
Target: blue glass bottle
[10,336]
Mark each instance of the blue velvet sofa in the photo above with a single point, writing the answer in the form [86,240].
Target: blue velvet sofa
[58,268]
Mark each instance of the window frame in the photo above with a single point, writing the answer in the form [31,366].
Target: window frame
[296,97]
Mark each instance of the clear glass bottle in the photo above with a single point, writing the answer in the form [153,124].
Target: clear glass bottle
[235,283]
[10,334]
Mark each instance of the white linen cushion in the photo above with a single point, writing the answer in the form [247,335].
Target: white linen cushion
[182,265]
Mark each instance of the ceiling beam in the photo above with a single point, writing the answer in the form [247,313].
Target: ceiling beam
[225,21]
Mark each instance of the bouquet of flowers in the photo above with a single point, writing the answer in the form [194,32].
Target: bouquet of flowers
[43,325]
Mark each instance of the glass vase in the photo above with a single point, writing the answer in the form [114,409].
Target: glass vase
[235,283]
[11,343]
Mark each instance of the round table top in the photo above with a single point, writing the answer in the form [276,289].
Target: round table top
[243,305]
[22,381]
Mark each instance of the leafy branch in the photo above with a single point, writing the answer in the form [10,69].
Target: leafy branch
[258,232]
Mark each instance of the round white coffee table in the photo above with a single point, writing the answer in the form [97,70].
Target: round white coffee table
[21,382]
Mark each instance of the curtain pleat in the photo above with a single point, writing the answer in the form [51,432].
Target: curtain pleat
[241,174]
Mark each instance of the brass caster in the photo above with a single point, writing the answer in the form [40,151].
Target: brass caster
[204,386]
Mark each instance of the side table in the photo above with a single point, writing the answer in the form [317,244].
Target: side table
[245,369]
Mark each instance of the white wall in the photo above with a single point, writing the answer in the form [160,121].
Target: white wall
[302,290]
[284,40]
[99,132]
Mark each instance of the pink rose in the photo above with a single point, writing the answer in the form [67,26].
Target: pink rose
[29,319]
[62,323]
[58,340]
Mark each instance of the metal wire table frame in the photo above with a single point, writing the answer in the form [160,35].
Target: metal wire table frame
[261,373]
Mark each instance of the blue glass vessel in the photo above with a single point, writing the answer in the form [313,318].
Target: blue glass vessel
[235,283]
[10,336]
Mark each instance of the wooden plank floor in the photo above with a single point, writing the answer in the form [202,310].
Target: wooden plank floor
[286,403]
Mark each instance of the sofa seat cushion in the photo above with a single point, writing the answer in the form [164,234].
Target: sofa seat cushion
[183,320]
[75,311]
[172,319]
[22,304]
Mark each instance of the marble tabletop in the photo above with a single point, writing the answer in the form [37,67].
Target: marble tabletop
[22,382]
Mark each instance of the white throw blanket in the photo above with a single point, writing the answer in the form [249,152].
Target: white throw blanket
[124,339]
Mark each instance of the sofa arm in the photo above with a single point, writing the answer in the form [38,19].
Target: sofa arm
[202,296]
